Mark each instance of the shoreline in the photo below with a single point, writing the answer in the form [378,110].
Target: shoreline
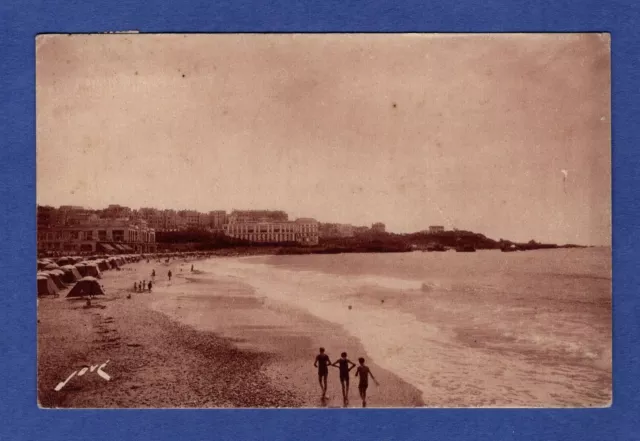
[232,337]
[293,337]
[446,340]
[166,349]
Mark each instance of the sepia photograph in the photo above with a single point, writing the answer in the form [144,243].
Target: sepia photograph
[324,220]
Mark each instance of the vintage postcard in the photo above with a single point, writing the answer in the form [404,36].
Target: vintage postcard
[309,220]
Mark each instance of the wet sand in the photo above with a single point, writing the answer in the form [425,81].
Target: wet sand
[195,342]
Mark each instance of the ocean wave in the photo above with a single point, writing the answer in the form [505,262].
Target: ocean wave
[418,336]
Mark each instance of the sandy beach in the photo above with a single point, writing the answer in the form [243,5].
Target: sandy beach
[194,342]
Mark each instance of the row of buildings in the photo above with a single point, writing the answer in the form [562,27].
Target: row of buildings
[330,230]
[159,220]
[98,236]
[120,229]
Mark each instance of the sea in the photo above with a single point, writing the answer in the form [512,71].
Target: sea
[484,329]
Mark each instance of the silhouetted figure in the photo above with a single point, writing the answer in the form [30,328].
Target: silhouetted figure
[364,372]
[343,364]
[169,274]
[322,363]
[150,285]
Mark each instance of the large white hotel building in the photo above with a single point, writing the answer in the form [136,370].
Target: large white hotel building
[271,227]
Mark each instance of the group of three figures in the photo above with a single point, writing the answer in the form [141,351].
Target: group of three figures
[345,366]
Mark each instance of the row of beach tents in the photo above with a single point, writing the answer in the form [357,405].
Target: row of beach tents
[55,274]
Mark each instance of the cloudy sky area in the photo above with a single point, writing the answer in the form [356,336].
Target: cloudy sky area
[470,132]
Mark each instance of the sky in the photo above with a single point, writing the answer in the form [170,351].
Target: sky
[506,135]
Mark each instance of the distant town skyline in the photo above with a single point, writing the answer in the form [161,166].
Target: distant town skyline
[206,212]
[504,135]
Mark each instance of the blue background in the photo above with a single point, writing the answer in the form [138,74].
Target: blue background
[20,418]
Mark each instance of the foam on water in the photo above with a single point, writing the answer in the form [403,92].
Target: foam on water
[395,340]
[460,343]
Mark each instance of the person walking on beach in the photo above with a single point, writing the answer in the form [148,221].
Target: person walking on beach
[153,275]
[169,275]
[191,268]
[144,285]
[364,372]
[135,286]
[343,364]
[150,285]
[322,363]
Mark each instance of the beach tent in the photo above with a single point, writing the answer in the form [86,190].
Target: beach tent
[43,263]
[82,268]
[93,270]
[50,266]
[87,286]
[88,269]
[71,274]
[46,286]
[58,276]
[55,277]
[102,265]
[63,261]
